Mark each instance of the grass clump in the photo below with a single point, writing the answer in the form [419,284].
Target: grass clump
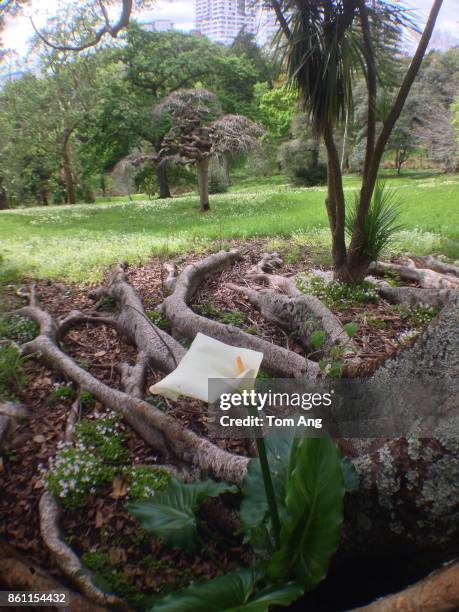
[12,373]
[145,481]
[417,316]
[86,400]
[76,472]
[381,222]
[235,318]
[336,294]
[82,470]
[19,329]
[106,576]
[62,392]
[210,311]
[104,438]
[157,319]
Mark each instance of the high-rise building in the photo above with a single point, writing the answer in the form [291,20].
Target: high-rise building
[222,20]
[158,25]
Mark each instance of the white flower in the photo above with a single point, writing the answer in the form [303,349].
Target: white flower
[209,359]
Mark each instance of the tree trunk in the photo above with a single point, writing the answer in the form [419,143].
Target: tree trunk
[202,170]
[3,197]
[163,182]
[335,204]
[67,167]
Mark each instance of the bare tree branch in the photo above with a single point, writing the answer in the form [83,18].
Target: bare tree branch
[108,28]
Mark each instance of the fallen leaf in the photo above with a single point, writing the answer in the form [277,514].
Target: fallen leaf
[120,488]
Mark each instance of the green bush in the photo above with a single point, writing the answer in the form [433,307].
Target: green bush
[381,222]
[157,318]
[20,329]
[218,182]
[103,436]
[299,160]
[417,316]
[76,472]
[12,373]
[62,392]
[336,294]
[145,481]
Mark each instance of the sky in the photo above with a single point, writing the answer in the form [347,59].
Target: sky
[181,13]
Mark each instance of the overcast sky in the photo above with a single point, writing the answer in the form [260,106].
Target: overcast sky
[181,13]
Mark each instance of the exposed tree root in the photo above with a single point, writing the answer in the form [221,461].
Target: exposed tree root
[439,592]
[144,418]
[431,263]
[64,556]
[10,414]
[134,377]
[412,296]
[184,321]
[293,311]
[18,573]
[303,315]
[427,279]
[406,497]
[71,420]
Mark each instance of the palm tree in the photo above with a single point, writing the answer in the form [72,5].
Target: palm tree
[328,41]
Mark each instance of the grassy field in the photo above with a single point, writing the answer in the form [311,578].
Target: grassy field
[77,242]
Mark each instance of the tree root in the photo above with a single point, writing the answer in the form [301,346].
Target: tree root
[412,296]
[144,418]
[303,315]
[404,497]
[294,311]
[18,573]
[184,321]
[431,263]
[439,592]
[64,556]
[426,278]
[10,414]
[160,350]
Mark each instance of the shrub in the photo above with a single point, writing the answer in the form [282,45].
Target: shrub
[12,373]
[157,318]
[62,392]
[381,222]
[20,329]
[218,181]
[103,436]
[299,159]
[145,481]
[417,316]
[336,294]
[76,472]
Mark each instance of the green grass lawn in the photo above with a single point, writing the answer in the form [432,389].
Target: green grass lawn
[76,242]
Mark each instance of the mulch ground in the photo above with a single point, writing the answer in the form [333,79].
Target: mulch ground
[104,524]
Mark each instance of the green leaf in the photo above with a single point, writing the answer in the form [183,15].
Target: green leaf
[335,369]
[254,507]
[314,500]
[351,329]
[230,593]
[170,514]
[317,338]
[351,478]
